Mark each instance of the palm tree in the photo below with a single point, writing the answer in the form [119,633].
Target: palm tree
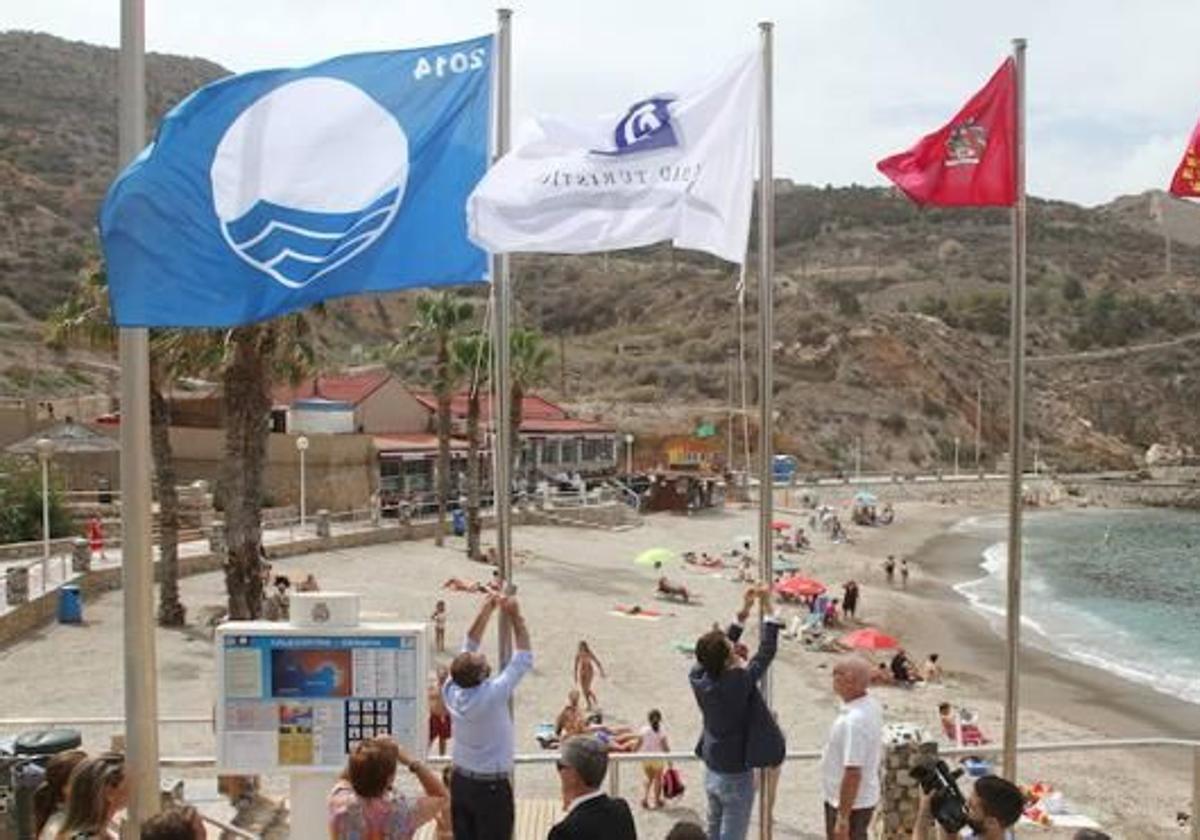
[254,358]
[439,318]
[84,319]
[528,359]
[472,356]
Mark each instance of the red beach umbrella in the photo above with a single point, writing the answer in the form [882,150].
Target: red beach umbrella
[869,638]
[799,587]
[780,525]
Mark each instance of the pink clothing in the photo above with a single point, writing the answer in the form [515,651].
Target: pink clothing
[388,817]
[653,742]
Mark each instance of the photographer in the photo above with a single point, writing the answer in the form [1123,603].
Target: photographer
[994,806]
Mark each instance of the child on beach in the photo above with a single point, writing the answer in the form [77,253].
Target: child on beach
[440,730]
[904,573]
[653,740]
[889,568]
[439,626]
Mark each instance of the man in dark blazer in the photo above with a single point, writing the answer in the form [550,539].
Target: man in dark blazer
[591,814]
[740,733]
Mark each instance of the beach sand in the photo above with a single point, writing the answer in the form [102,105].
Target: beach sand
[569,580]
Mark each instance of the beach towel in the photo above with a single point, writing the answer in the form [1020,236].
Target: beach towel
[1046,806]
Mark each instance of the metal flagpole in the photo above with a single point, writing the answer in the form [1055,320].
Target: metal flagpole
[141,688]
[502,311]
[1016,433]
[741,318]
[766,376]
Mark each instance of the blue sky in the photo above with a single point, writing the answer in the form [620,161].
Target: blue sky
[1114,85]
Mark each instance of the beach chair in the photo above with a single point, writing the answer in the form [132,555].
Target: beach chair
[964,730]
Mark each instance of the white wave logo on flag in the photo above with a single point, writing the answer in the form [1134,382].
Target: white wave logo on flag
[308,177]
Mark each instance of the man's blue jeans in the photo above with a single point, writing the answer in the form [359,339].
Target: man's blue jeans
[730,798]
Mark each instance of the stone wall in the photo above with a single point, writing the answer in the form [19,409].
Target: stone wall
[900,795]
[43,609]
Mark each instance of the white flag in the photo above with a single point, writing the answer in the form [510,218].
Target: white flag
[678,168]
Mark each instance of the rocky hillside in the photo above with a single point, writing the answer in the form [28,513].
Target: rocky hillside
[890,319]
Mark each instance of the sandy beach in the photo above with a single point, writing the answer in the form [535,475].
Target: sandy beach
[570,579]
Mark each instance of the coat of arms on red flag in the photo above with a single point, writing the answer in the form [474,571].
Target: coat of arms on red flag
[1186,183]
[970,161]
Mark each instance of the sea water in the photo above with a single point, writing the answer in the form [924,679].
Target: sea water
[1116,589]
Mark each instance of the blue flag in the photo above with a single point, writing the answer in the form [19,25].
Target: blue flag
[268,192]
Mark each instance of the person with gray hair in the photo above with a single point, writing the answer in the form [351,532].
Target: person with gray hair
[851,759]
[591,813]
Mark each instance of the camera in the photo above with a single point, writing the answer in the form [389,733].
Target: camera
[946,801]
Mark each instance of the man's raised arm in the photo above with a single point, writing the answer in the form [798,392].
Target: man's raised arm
[475,632]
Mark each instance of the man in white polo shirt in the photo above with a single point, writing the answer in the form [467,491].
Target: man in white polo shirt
[481,796]
[850,762]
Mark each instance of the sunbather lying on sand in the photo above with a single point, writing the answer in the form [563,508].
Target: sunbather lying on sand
[673,590]
[704,560]
[455,584]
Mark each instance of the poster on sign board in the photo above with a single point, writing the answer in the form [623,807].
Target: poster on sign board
[300,698]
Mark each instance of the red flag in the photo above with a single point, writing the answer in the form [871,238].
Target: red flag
[1186,183]
[971,160]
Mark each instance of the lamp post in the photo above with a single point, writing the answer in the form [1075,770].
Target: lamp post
[45,447]
[302,447]
[629,453]
[956,456]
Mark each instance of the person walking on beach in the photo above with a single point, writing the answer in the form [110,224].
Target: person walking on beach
[439,626]
[889,569]
[654,740]
[850,599]
[95,536]
[904,573]
[739,732]
[850,761]
[586,665]
[481,794]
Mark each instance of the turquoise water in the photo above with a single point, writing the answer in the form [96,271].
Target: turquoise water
[1117,589]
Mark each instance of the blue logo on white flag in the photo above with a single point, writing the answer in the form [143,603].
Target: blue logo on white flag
[269,192]
[646,125]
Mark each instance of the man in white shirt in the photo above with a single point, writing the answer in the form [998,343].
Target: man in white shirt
[481,797]
[850,763]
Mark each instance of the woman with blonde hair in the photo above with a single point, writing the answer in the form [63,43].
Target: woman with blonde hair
[50,797]
[96,790]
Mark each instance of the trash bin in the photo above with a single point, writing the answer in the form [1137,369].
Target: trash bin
[458,520]
[70,605]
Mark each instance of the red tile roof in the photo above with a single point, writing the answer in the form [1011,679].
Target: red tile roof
[413,443]
[532,407]
[352,388]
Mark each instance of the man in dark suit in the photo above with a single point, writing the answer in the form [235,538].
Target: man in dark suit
[740,733]
[591,814]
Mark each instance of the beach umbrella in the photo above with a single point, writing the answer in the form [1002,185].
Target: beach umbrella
[654,557]
[780,525]
[862,497]
[799,587]
[869,638]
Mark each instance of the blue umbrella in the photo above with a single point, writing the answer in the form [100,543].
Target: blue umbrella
[862,497]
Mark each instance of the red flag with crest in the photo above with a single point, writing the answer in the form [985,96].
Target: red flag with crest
[1186,183]
[971,160]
